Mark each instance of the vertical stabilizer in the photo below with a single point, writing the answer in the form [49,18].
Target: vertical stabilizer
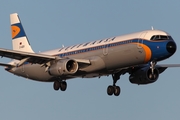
[19,38]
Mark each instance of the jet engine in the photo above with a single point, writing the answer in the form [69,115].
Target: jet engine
[144,76]
[63,67]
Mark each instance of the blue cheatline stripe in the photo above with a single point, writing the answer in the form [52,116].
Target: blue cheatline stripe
[156,52]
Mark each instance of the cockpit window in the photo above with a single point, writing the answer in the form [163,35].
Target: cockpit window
[161,37]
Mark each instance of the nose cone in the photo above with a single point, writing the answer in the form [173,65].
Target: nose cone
[171,47]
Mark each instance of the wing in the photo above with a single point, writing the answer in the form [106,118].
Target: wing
[160,67]
[168,65]
[32,57]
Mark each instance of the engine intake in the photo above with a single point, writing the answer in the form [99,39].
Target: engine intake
[63,67]
[144,76]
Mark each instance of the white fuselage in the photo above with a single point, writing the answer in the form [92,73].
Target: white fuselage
[107,56]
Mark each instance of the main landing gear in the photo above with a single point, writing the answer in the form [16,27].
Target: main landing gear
[113,89]
[62,85]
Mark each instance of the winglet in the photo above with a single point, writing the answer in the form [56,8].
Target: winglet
[19,38]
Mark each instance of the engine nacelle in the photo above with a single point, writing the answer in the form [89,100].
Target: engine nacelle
[63,67]
[144,76]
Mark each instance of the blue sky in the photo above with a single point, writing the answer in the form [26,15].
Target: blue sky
[51,24]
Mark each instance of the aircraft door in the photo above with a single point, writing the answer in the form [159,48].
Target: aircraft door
[105,49]
[106,46]
[140,39]
[22,68]
[23,71]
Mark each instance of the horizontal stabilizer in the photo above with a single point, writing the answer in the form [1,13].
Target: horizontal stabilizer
[168,65]
[6,65]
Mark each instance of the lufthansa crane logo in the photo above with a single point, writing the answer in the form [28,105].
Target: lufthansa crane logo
[15,31]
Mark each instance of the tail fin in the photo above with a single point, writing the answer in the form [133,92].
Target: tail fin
[19,38]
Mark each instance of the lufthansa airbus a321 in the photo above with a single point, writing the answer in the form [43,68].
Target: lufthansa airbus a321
[136,54]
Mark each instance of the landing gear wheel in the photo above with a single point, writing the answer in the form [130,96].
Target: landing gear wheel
[117,90]
[152,76]
[63,86]
[110,90]
[56,85]
[113,89]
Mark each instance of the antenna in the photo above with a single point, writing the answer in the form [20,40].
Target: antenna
[152,28]
[62,45]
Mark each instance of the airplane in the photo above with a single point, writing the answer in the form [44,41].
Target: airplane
[135,53]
